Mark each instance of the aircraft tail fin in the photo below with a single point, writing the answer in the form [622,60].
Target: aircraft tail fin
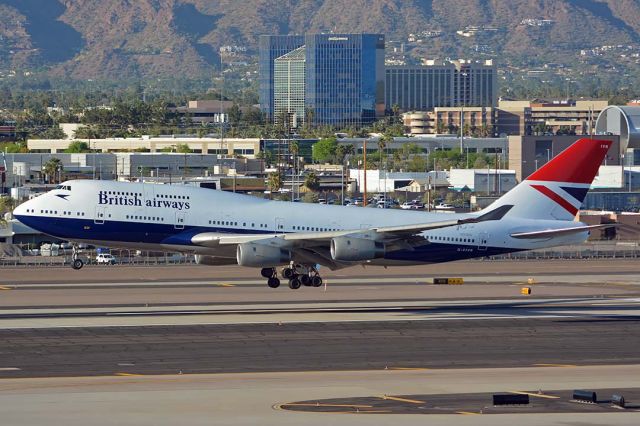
[556,190]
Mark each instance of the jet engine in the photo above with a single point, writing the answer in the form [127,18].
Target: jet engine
[348,249]
[261,255]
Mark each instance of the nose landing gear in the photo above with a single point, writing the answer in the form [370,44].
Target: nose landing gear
[298,276]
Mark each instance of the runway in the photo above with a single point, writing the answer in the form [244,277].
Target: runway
[179,340]
[253,398]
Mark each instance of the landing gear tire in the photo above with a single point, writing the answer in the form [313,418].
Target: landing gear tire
[316,281]
[288,273]
[306,280]
[267,272]
[294,283]
[77,264]
[273,282]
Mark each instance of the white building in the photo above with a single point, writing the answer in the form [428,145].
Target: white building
[379,181]
[489,181]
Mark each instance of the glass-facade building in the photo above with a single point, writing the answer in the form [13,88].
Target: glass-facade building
[344,76]
[451,84]
[289,87]
[272,47]
[419,88]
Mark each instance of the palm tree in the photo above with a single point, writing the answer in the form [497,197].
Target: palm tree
[6,205]
[274,182]
[312,182]
[51,168]
[382,146]
[294,149]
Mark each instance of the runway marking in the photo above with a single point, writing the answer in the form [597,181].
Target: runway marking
[128,374]
[467,413]
[301,404]
[537,395]
[395,398]
[406,368]
[10,369]
[555,365]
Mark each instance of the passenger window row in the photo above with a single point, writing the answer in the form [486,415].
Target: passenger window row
[64,213]
[452,239]
[151,218]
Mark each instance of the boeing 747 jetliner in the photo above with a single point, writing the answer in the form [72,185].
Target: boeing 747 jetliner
[223,228]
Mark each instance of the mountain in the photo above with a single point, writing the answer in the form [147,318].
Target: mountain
[119,39]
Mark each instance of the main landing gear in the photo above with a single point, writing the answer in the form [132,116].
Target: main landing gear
[298,276]
[76,262]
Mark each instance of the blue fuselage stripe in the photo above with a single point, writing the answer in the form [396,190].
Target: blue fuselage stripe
[164,234]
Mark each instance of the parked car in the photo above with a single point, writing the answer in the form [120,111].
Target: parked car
[443,206]
[105,259]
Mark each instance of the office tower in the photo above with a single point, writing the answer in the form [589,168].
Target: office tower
[272,47]
[343,83]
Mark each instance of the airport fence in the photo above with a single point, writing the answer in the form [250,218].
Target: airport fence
[65,260]
[589,250]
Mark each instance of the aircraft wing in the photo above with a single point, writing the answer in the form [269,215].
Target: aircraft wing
[380,233]
[214,239]
[558,232]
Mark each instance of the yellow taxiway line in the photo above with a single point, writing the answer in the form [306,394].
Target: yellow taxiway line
[537,395]
[395,398]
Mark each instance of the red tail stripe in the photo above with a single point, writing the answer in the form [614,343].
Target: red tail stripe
[555,197]
[578,163]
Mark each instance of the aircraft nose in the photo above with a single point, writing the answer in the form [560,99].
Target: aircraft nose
[23,208]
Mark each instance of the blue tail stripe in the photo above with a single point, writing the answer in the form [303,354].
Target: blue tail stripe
[577,193]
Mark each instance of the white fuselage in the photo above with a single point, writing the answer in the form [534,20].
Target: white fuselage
[166,217]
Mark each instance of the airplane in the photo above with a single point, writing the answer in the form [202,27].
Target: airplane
[222,228]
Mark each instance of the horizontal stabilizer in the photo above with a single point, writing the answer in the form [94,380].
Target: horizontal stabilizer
[559,232]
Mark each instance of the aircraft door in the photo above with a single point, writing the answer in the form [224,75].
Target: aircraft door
[180,218]
[483,239]
[101,213]
[279,225]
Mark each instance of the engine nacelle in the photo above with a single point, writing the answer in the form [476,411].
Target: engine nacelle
[349,249]
[261,255]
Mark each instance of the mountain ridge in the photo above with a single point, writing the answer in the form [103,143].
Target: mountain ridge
[96,39]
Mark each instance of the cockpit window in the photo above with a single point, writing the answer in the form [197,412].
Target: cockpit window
[64,187]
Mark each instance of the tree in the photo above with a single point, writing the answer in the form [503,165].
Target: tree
[417,164]
[6,205]
[88,132]
[235,114]
[53,132]
[480,163]
[310,197]
[76,147]
[183,148]
[253,116]
[312,182]
[325,149]
[342,151]
[51,169]
[294,149]
[274,182]
[13,148]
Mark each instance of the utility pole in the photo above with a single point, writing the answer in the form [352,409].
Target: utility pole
[364,152]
